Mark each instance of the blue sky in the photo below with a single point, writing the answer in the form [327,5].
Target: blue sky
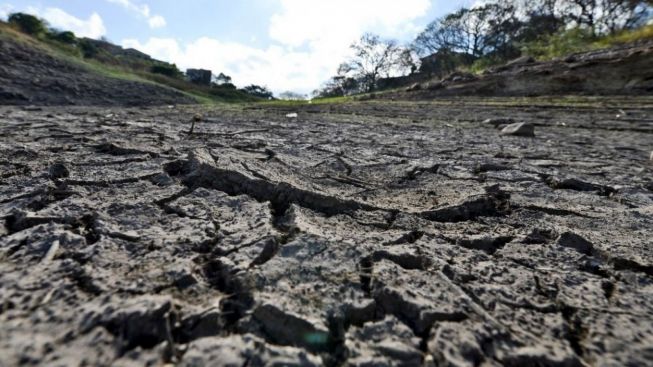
[283,44]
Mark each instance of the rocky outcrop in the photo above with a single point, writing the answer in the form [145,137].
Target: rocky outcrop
[622,70]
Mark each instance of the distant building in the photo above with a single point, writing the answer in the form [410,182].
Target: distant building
[199,76]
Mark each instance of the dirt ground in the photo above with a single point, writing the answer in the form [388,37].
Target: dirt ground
[363,234]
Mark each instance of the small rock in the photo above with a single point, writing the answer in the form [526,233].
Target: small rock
[651,157]
[538,236]
[293,115]
[570,59]
[141,321]
[290,329]
[204,324]
[162,179]
[576,242]
[497,122]
[184,281]
[519,129]
[414,87]
[58,170]
[521,61]
[542,355]
[434,85]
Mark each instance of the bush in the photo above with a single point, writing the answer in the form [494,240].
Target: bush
[167,70]
[89,49]
[65,37]
[224,86]
[484,63]
[28,23]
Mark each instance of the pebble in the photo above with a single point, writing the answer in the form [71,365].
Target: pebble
[498,122]
[58,170]
[519,129]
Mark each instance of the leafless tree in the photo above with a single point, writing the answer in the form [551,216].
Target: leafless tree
[607,16]
[373,58]
[443,34]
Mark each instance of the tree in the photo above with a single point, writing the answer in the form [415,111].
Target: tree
[442,35]
[338,86]
[28,23]
[373,59]
[539,19]
[258,91]
[222,79]
[607,16]
[66,37]
[88,47]
[466,31]
[169,70]
[617,15]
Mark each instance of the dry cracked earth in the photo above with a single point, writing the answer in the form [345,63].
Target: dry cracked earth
[366,234]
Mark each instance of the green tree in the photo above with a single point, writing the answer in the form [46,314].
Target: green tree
[28,23]
[66,37]
[258,91]
[169,70]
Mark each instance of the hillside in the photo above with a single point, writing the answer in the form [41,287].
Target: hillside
[622,70]
[42,71]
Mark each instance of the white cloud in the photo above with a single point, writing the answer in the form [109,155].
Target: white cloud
[336,22]
[276,67]
[143,10]
[311,39]
[93,27]
[157,21]
[5,10]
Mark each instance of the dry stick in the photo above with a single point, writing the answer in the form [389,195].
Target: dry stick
[51,252]
[192,127]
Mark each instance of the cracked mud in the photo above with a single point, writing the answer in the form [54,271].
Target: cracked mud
[399,234]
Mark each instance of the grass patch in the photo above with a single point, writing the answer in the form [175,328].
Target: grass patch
[314,101]
[577,40]
[641,34]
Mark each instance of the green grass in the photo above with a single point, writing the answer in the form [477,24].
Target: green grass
[640,34]
[579,40]
[315,101]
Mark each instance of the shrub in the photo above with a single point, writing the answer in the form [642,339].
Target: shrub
[28,23]
[89,49]
[484,63]
[167,70]
[65,37]
[224,86]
